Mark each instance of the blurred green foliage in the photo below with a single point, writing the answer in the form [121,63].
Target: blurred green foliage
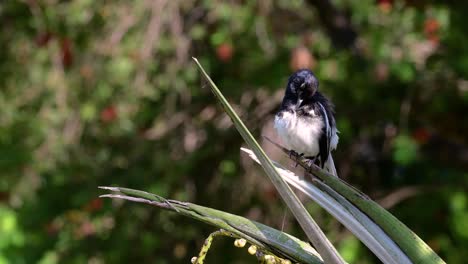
[104,92]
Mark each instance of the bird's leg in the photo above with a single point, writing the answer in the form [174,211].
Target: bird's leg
[296,156]
[297,160]
[311,161]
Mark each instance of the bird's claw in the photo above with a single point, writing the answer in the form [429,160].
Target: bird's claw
[311,161]
[296,156]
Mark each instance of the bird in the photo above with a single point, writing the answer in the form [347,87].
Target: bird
[305,121]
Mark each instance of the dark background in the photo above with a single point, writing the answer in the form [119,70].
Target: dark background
[105,93]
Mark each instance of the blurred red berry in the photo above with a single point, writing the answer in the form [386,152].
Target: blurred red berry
[431,26]
[421,135]
[385,5]
[94,205]
[431,30]
[108,114]
[66,52]
[224,52]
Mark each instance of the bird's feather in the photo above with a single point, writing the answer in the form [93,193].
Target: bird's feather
[325,136]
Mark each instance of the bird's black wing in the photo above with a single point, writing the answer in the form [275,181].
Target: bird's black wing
[324,140]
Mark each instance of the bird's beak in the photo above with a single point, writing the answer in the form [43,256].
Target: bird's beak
[299,102]
[299,99]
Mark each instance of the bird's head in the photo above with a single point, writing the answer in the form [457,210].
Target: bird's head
[302,85]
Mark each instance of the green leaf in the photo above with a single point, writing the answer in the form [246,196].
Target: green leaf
[310,227]
[407,240]
[275,241]
[416,249]
[350,216]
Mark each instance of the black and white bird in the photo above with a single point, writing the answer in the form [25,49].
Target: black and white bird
[305,121]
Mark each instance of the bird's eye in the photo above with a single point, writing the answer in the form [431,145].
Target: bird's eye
[297,81]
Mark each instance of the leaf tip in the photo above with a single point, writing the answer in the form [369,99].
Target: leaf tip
[113,189]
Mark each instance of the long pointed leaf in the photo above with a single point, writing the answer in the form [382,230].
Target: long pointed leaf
[310,227]
[413,246]
[275,241]
[352,218]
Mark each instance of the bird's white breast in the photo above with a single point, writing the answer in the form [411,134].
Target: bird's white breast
[299,133]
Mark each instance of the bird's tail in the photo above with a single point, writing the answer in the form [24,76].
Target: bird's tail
[330,165]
